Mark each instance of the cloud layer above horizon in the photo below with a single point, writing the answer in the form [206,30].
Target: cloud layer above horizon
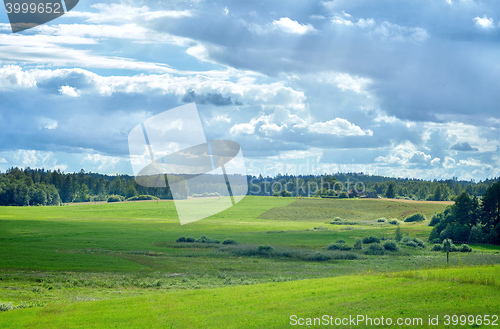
[395,88]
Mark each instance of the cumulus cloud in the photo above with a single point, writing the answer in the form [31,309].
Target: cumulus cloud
[13,77]
[69,91]
[288,25]
[484,22]
[338,127]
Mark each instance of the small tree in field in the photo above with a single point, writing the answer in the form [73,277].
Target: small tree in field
[447,243]
[399,234]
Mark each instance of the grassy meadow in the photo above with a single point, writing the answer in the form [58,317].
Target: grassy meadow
[107,265]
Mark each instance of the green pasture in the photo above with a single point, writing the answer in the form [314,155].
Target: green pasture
[66,265]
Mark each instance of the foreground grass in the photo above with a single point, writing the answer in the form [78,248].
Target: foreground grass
[401,295]
[121,261]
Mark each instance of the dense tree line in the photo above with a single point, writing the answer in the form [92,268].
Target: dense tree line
[354,184]
[23,187]
[470,220]
[50,187]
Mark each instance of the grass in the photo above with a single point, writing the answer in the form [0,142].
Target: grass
[272,305]
[62,266]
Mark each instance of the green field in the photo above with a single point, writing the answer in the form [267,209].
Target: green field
[120,265]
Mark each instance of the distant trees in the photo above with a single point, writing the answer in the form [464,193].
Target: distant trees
[390,191]
[17,189]
[469,221]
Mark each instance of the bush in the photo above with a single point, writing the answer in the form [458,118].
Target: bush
[181,239]
[142,197]
[338,246]
[437,247]
[391,245]
[375,249]
[371,239]
[381,220]
[435,220]
[465,248]
[265,248]
[413,242]
[358,245]
[343,195]
[115,198]
[417,217]
[394,222]
[337,219]
[340,241]
[190,239]
[319,257]
[229,241]
[204,239]
[399,234]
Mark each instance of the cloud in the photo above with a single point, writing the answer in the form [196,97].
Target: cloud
[69,91]
[394,32]
[242,128]
[484,22]
[210,98]
[119,13]
[13,77]
[287,25]
[463,147]
[47,123]
[338,127]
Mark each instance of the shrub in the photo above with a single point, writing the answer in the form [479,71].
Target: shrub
[319,257]
[465,248]
[343,195]
[204,239]
[229,241]
[413,242]
[190,239]
[437,247]
[417,217]
[338,246]
[453,248]
[399,234]
[381,220]
[142,197]
[391,245]
[371,239]
[394,222]
[375,249]
[115,198]
[435,220]
[340,241]
[181,239]
[265,248]
[358,245]
[337,219]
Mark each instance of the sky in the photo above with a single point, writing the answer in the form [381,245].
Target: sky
[393,88]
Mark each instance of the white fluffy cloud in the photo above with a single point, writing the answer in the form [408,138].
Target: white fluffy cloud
[288,25]
[338,127]
[69,91]
[484,22]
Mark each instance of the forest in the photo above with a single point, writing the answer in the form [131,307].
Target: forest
[31,187]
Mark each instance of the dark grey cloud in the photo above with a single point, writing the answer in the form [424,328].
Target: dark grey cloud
[216,99]
[463,147]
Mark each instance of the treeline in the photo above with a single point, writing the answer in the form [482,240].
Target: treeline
[23,187]
[31,187]
[357,184]
[470,220]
